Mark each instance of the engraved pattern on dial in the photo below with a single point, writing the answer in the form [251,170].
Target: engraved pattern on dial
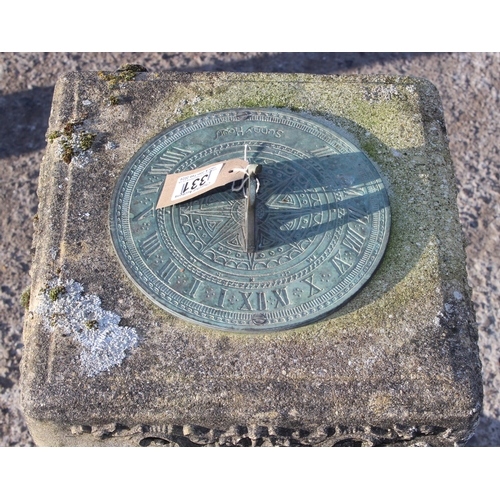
[322,215]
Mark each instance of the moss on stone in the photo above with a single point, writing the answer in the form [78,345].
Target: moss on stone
[71,141]
[54,135]
[111,78]
[131,70]
[86,140]
[92,324]
[56,292]
[69,128]
[25,298]
[125,73]
[67,152]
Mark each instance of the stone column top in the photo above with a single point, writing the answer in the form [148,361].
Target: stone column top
[398,364]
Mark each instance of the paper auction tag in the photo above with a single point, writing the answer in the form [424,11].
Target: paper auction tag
[186,185]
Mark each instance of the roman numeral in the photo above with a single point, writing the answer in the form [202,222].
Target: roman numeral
[324,151]
[313,289]
[167,271]
[159,170]
[168,160]
[261,301]
[150,245]
[354,191]
[355,214]
[150,188]
[353,240]
[357,220]
[246,301]
[143,214]
[282,296]
[194,288]
[342,261]
[222,296]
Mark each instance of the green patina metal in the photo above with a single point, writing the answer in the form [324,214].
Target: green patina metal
[322,222]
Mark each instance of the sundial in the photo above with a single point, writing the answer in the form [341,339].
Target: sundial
[287,245]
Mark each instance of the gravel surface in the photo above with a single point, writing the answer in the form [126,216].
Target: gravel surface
[469,85]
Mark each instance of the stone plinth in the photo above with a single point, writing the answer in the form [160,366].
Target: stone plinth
[103,366]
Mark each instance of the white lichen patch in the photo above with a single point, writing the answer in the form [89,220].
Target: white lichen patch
[65,309]
[82,159]
[381,93]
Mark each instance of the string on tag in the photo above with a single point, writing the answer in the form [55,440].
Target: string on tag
[241,186]
[244,181]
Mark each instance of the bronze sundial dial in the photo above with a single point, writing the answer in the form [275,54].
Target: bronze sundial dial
[319,223]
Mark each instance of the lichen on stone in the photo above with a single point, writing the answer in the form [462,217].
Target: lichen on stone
[73,140]
[65,308]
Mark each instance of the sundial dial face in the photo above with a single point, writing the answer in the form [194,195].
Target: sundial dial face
[322,218]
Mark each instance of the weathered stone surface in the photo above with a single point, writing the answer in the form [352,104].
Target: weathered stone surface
[397,365]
